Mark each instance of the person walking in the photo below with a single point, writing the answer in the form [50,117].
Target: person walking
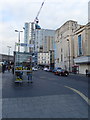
[12,69]
[29,74]
[86,72]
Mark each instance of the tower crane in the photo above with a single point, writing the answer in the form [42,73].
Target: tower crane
[35,23]
[36,18]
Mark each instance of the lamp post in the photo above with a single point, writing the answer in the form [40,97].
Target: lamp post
[8,52]
[69,52]
[18,39]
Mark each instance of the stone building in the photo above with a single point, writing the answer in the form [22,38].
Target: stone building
[82,48]
[64,45]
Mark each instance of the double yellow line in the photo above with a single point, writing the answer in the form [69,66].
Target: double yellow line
[81,94]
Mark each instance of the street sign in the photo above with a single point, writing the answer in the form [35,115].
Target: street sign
[18,44]
[30,45]
[24,45]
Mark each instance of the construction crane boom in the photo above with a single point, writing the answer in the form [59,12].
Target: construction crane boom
[36,19]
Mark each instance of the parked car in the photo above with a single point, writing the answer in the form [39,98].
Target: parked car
[54,70]
[45,69]
[34,69]
[49,70]
[62,72]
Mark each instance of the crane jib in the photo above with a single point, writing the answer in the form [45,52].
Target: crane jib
[36,18]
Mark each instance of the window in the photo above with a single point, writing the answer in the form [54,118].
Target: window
[58,60]
[61,36]
[61,50]
[79,45]
[61,57]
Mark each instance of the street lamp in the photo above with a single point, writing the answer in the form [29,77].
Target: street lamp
[18,39]
[69,52]
[8,52]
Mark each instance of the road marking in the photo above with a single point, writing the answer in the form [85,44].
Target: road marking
[81,94]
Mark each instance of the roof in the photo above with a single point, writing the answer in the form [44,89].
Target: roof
[66,23]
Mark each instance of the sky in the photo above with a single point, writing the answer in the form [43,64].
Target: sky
[14,13]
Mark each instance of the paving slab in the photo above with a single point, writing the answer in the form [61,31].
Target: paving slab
[0,95]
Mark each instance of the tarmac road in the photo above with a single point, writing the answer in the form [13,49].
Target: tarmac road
[46,97]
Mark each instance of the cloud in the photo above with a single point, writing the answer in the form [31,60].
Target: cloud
[8,37]
[14,13]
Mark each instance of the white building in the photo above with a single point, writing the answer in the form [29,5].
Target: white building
[44,59]
[26,36]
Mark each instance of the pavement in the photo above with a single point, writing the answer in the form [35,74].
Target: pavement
[45,98]
[0,95]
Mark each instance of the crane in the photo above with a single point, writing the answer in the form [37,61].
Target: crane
[35,23]
[36,18]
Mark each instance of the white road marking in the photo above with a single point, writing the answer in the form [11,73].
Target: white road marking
[81,94]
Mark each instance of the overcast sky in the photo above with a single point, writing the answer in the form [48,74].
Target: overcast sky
[14,13]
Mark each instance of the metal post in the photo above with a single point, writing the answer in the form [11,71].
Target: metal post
[18,39]
[69,52]
[8,52]
[15,46]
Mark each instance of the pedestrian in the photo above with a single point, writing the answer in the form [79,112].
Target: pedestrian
[9,67]
[86,72]
[3,68]
[13,69]
[29,74]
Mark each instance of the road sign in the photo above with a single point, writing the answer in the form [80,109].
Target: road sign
[24,45]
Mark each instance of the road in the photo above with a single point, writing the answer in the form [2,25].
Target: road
[46,97]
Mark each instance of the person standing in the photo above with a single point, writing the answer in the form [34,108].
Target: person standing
[3,68]
[9,67]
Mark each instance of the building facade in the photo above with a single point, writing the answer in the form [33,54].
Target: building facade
[64,45]
[44,46]
[7,58]
[44,40]
[82,48]
[44,59]
[26,36]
